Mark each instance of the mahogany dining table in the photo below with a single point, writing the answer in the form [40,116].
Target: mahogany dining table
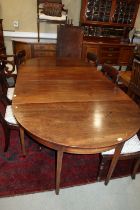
[72,107]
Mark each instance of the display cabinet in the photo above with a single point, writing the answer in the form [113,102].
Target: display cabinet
[108,18]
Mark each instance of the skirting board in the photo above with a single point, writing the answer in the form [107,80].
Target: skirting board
[18,34]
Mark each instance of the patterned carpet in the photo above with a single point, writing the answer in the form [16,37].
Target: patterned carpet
[36,171]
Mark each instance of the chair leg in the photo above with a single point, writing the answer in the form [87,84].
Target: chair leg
[21,130]
[135,169]
[7,138]
[101,168]
[38,30]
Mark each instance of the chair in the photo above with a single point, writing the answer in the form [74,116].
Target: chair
[92,58]
[50,11]
[7,90]
[9,123]
[134,86]
[9,64]
[110,72]
[7,119]
[69,41]
[9,69]
[131,150]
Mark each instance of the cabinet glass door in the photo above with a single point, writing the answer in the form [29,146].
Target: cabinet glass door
[98,10]
[124,12]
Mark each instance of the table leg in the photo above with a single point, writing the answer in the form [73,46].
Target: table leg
[114,161]
[21,130]
[58,170]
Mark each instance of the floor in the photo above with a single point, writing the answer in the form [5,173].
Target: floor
[120,194]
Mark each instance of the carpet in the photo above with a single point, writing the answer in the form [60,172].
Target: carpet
[36,172]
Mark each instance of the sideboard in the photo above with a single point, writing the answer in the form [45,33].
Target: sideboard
[112,53]
[34,48]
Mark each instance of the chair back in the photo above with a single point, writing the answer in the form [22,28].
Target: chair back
[92,57]
[69,41]
[110,72]
[134,86]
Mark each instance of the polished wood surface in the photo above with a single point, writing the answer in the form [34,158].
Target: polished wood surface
[73,109]
[125,77]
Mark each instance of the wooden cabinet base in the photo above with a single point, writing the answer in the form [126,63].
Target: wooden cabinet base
[115,54]
[34,48]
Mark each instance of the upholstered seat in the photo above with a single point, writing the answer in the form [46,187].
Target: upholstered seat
[130,151]
[9,117]
[47,17]
[130,146]
[10,69]
[10,93]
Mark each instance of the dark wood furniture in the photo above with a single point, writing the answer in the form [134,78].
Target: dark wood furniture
[69,41]
[7,118]
[120,54]
[106,27]
[134,85]
[110,18]
[130,152]
[2,47]
[49,18]
[137,164]
[125,77]
[9,123]
[78,109]
[11,63]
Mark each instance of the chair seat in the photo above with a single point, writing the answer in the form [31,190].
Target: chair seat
[9,117]
[46,17]
[10,93]
[130,146]
[10,67]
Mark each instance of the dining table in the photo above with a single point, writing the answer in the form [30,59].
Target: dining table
[70,106]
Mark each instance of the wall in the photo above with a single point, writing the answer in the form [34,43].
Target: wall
[25,12]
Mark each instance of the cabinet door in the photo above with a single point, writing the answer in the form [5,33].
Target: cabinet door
[106,12]
[41,50]
[126,55]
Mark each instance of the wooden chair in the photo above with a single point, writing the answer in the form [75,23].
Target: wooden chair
[9,123]
[7,119]
[50,11]
[92,58]
[9,69]
[131,149]
[110,72]
[134,85]
[9,64]
[7,90]
[69,41]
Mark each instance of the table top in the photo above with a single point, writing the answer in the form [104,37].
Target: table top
[74,108]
